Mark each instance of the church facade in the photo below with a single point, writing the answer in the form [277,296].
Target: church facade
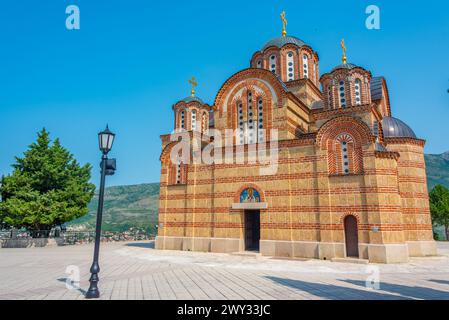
[350,178]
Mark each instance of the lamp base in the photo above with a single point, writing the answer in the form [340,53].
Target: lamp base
[92,294]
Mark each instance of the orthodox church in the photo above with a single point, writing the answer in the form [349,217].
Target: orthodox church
[350,179]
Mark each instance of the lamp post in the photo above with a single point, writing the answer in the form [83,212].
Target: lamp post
[108,167]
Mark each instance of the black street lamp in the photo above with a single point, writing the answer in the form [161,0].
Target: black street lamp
[108,166]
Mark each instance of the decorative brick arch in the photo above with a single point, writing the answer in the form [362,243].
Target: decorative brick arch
[234,98]
[344,215]
[344,124]
[246,186]
[165,155]
[354,134]
[264,76]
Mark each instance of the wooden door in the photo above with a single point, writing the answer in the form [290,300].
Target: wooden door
[351,237]
[252,230]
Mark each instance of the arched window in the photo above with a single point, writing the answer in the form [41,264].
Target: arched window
[329,95]
[250,124]
[305,66]
[177,173]
[342,94]
[260,129]
[290,67]
[193,120]
[259,63]
[251,137]
[182,120]
[241,124]
[273,63]
[346,144]
[357,92]
[205,123]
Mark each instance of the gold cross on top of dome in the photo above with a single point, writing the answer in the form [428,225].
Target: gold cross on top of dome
[284,24]
[343,47]
[194,84]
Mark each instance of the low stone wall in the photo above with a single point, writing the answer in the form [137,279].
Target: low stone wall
[31,243]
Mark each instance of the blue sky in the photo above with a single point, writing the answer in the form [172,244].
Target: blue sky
[130,62]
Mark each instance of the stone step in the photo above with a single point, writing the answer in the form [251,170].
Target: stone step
[350,260]
[250,254]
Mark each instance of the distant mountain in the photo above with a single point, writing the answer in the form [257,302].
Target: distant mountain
[437,169]
[137,205]
[124,207]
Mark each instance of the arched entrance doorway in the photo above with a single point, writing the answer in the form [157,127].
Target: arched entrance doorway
[351,236]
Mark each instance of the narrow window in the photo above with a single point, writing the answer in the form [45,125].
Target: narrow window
[178,172]
[358,97]
[182,120]
[251,131]
[305,66]
[273,63]
[345,157]
[329,95]
[193,120]
[290,67]
[259,64]
[260,130]
[342,94]
[241,127]
[205,122]
[346,142]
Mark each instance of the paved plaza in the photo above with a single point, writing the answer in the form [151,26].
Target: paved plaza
[137,271]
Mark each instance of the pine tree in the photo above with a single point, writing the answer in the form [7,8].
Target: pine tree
[46,188]
[439,207]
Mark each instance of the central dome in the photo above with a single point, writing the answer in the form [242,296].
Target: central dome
[282,41]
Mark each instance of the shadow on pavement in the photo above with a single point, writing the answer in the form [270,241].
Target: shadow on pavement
[82,291]
[334,292]
[441,282]
[148,245]
[413,292]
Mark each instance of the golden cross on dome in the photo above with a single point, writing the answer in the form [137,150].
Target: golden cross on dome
[343,47]
[284,24]
[194,84]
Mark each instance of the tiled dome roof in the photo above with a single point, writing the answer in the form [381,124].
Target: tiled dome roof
[345,66]
[282,41]
[395,128]
[190,99]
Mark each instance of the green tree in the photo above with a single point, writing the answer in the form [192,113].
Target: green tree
[46,188]
[439,207]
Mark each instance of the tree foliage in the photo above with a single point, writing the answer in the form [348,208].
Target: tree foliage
[439,207]
[46,188]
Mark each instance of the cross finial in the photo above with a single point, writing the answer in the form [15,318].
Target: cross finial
[343,47]
[194,84]
[284,24]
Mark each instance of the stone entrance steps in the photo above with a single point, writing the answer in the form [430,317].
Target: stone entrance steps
[250,254]
[351,260]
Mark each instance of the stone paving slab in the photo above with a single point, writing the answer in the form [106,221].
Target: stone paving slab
[138,271]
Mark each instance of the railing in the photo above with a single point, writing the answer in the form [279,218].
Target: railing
[75,237]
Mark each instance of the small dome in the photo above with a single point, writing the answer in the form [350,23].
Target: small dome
[190,99]
[395,128]
[282,41]
[345,66]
